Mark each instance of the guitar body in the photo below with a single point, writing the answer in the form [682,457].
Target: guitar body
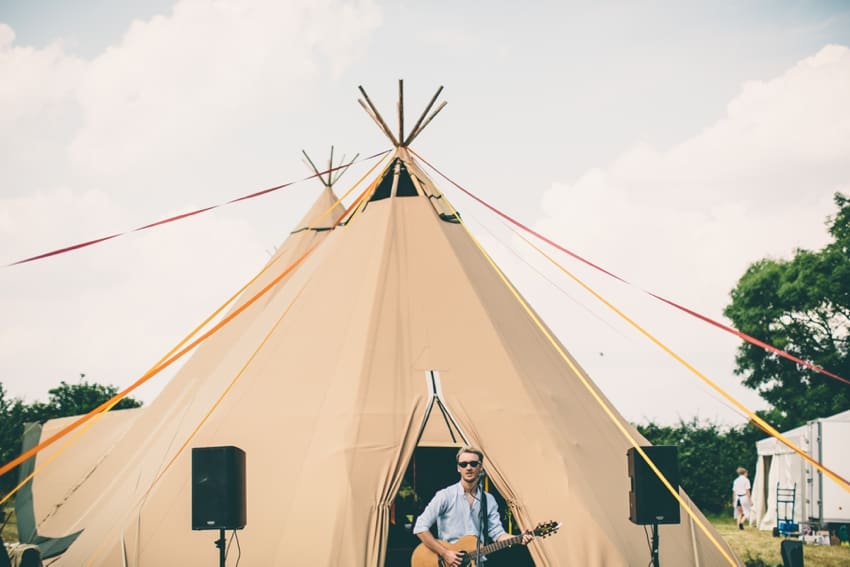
[424,557]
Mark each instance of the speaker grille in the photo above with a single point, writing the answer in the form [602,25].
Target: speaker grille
[218,488]
[649,500]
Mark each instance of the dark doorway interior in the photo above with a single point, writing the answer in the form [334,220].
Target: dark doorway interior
[765,487]
[431,469]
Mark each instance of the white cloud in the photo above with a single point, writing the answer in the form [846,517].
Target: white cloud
[179,80]
[37,104]
[759,180]
[112,310]
[685,222]
[77,133]
[33,80]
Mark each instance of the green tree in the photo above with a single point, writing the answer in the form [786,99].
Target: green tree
[76,399]
[63,400]
[708,457]
[801,306]
[12,417]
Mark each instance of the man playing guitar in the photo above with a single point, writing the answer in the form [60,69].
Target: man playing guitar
[456,510]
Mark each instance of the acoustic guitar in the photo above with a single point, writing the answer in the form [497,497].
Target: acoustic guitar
[424,557]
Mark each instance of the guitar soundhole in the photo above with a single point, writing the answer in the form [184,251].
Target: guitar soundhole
[465,561]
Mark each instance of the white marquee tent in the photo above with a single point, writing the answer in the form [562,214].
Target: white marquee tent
[816,499]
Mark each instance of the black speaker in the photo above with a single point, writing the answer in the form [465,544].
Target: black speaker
[218,488]
[649,500]
[792,553]
[4,556]
[20,555]
[29,557]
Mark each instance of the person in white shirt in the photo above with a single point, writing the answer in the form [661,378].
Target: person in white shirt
[741,501]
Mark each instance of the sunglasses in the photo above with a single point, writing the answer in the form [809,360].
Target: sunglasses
[464,464]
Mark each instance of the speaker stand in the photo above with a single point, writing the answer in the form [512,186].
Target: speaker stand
[219,543]
[654,544]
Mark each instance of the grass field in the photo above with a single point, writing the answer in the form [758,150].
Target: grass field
[752,546]
[10,529]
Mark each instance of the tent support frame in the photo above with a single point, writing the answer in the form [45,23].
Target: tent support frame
[420,124]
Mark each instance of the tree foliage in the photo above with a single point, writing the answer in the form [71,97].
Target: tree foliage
[708,457]
[63,400]
[76,399]
[12,418]
[802,306]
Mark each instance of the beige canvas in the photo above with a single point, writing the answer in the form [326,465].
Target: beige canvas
[325,383]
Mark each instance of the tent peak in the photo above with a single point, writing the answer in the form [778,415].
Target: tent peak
[331,178]
[400,141]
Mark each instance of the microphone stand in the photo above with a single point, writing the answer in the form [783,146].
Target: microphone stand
[220,544]
[655,562]
[482,518]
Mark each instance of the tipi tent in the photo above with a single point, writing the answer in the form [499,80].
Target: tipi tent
[59,471]
[395,331]
[815,499]
[64,469]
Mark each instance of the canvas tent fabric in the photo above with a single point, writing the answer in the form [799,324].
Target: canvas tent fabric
[103,449]
[59,471]
[817,499]
[778,465]
[326,382]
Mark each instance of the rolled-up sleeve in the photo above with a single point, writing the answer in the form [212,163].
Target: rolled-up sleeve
[429,515]
[494,522]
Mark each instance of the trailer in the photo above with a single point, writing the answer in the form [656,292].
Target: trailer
[819,500]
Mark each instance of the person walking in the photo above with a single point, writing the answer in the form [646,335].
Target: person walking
[741,497]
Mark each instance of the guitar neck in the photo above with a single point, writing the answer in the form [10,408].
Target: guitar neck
[496,546]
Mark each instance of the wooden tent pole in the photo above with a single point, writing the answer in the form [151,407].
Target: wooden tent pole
[377,116]
[344,169]
[416,127]
[430,118]
[370,113]
[315,169]
[400,109]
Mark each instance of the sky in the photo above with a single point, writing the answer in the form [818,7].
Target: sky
[672,143]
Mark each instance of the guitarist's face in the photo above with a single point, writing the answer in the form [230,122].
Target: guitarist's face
[468,472]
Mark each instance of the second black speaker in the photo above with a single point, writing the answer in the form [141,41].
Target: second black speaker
[792,553]
[218,488]
[649,500]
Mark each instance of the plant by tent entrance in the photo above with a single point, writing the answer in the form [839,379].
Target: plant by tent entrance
[430,469]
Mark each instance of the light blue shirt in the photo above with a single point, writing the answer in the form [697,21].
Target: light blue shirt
[455,518]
